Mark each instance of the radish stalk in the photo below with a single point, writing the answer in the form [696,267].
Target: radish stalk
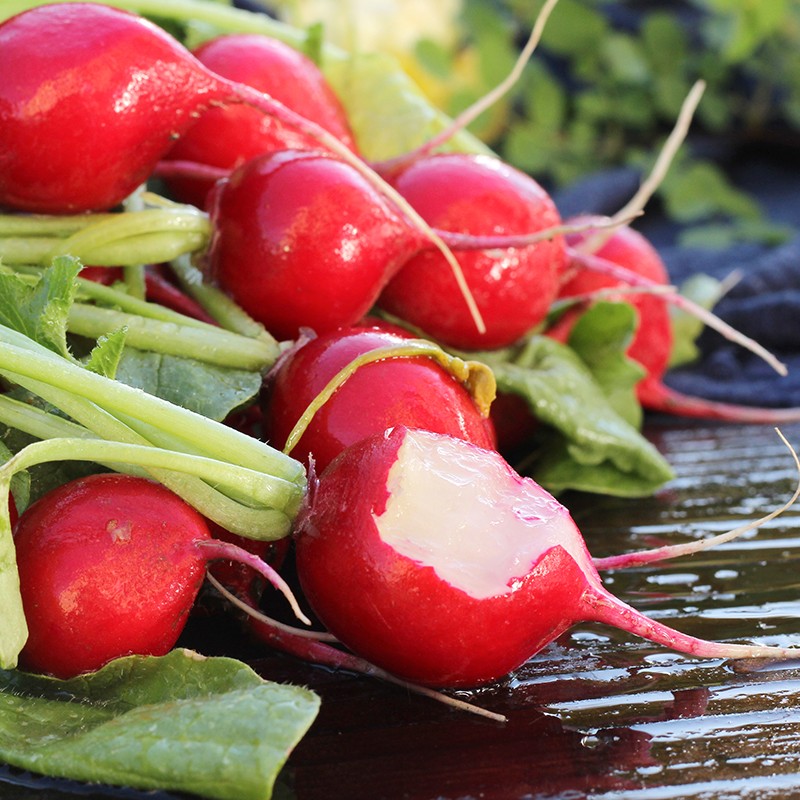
[132,237]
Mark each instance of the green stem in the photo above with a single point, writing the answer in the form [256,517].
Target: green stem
[262,489]
[112,297]
[134,274]
[26,250]
[232,515]
[211,345]
[215,302]
[23,356]
[13,628]
[131,238]
[38,422]
[26,225]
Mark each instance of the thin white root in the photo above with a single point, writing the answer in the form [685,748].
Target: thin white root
[674,551]
[319,636]
[649,186]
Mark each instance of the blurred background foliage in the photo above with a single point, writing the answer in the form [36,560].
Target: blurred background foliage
[605,85]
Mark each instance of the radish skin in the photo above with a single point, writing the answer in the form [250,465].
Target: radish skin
[110,565]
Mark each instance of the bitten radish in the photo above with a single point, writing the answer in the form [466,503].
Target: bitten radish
[513,286]
[302,240]
[226,137]
[652,341]
[433,559]
[413,391]
[110,565]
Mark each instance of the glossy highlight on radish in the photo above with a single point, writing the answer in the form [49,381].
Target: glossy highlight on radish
[110,565]
[434,560]
[92,98]
[302,240]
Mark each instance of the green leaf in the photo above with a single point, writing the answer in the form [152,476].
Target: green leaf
[558,472]
[740,26]
[562,392]
[208,726]
[207,389]
[700,189]
[40,310]
[388,113]
[601,337]
[624,57]
[705,291]
[574,28]
[104,359]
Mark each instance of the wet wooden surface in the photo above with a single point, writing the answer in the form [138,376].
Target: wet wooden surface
[599,714]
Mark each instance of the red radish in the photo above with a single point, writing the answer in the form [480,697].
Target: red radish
[108,276]
[110,565]
[302,240]
[434,560]
[513,286]
[652,342]
[93,97]
[226,137]
[413,391]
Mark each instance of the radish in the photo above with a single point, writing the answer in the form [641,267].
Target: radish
[652,341]
[434,560]
[110,565]
[513,286]
[226,137]
[93,98]
[111,93]
[407,389]
[302,240]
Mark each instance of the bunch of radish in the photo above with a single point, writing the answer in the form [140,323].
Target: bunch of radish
[417,545]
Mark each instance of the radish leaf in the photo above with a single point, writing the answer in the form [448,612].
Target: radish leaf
[600,337]
[211,391]
[595,440]
[40,310]
[208,726]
